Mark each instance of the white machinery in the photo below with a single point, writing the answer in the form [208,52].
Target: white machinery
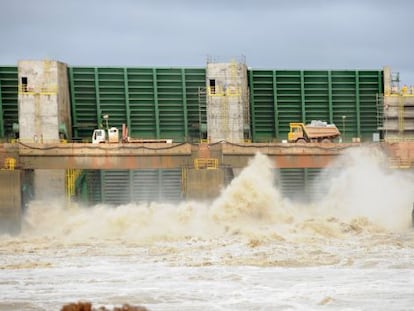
[99,136]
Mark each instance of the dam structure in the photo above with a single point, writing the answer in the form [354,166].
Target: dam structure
[215,118]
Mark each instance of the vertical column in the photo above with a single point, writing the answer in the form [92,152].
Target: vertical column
[387,80]
[10,198]
[358,104]
[330,105]
[44,105]
[184,88]
[131,185]
[226,101]
[99,112]
[73,100]
[381,81]
[156,107]
[127,107]
[204,183]
[302,95]
[1,114]
[275,106]
[102,182]
[252,106]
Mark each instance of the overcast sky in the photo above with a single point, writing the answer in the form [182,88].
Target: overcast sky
[289,34]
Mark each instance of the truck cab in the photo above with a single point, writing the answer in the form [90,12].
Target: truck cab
[296,132]
[99,136]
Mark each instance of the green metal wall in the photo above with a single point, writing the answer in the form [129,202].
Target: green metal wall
[8,100]
[124,186]
[300,183]
[278,97]
[165,102]
[153,102]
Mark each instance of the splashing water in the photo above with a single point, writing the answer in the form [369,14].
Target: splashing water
[357,190]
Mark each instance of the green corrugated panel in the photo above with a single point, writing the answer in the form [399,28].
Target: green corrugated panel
[262,108]
[289,95]
[282,96]
[195,81]
[8,100]
[84,101]
[316,92]
[112,96]
[369,88]
[147,185]
[165,103]
[93,185]
[154,102]
[141,103]
[299,183]
[123,186]
[344,91]
[115,186]
[171,103]
[291,182]
[170,183]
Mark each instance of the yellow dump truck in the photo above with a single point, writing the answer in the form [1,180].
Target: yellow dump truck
[316,132]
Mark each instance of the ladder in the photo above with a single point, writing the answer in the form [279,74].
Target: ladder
[202,110]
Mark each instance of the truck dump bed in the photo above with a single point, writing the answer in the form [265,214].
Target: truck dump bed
[318,129]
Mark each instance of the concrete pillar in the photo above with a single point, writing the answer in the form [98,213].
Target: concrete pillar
[44,115]
[227,102]
[204,184]
[44,103]
[11,202]
[387,80]
[49,184]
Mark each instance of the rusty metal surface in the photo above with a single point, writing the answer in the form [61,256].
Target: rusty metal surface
[104,156]
[400,153]
[141,156]
[312,155]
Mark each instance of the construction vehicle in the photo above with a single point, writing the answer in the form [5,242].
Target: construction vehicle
[101,136]
[112,136]
[315,132]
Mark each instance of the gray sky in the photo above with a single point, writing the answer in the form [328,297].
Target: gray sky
[288,34]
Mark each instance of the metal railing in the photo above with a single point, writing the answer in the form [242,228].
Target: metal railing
[206,163]
[28,90]
[71,176]
[10,163]
[220,91]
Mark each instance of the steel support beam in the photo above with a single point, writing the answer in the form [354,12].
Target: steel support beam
[185,109]
[162,156]
[275,105]
[252,106]
[284,155]
[88,156]
[127,104]
[2,130]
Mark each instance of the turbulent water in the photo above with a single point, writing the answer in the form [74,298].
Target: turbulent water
[352,248]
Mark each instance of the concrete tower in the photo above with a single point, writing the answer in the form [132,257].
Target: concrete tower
[398,111]
[227,102]
[44,104]
[44,116]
